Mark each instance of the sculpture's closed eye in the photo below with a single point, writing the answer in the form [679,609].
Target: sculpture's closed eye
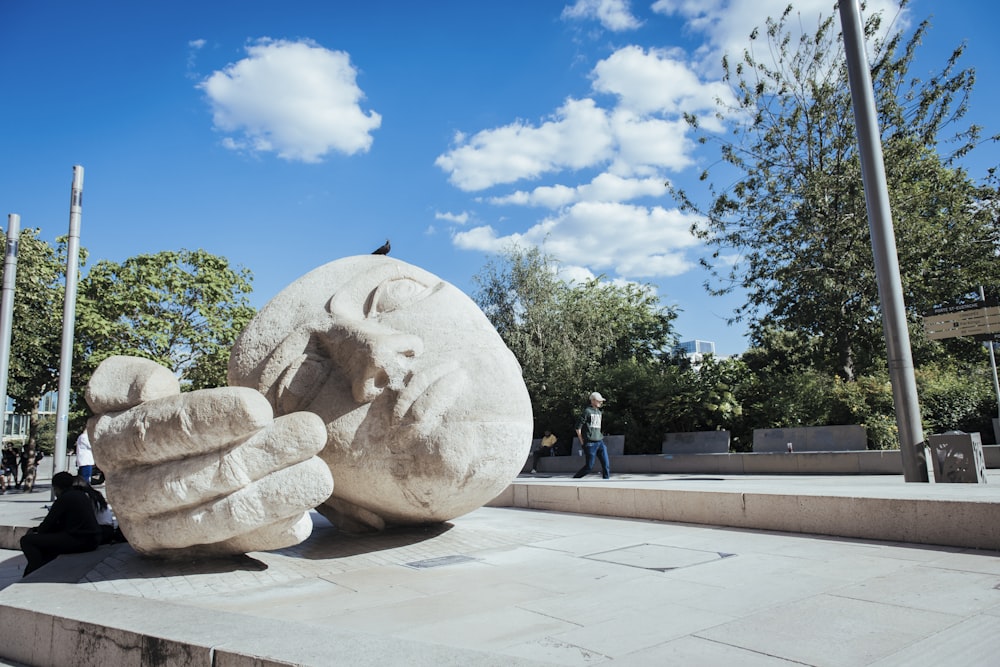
[397,293]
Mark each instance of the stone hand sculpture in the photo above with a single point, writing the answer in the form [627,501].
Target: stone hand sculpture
[209,469]
[394,377]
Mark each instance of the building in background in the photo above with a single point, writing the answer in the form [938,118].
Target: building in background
[696,350]
[15,426]
[692,347]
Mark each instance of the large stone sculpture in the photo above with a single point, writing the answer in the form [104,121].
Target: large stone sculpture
[367,371]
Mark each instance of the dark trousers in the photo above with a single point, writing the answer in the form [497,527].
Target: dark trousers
[42,548]
[85,472]
[541,452]
[592,450]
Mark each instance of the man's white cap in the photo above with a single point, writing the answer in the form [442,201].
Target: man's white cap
[597,396]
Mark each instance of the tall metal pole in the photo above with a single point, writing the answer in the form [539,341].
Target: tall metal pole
[7,306]
[69,320]
[890,288]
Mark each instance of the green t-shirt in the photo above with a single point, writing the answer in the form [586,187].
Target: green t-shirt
[589,425]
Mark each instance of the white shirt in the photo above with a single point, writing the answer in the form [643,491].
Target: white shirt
[84,454]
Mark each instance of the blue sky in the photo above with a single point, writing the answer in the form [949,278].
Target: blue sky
[284,135]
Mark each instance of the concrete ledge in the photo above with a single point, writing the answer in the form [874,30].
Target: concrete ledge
[868,462]
[898,515]
[61,627]
[10,536]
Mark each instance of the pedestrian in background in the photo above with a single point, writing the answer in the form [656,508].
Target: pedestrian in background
[547,447]
[84,457]
[588,430]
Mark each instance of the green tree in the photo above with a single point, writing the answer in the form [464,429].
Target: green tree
[182,309]
[793,210]
[567,336]
[36,335]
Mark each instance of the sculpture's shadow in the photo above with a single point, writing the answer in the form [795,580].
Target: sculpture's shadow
[327,542]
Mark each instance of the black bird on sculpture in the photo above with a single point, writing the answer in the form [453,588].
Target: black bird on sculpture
[382,249]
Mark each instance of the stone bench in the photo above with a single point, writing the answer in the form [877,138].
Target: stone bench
[845,438]
[696,442]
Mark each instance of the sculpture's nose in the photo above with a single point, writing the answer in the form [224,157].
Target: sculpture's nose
[375,357]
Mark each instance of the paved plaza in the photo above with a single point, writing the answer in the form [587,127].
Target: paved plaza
[516,586]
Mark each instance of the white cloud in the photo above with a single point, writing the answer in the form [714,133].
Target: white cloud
[604,187]
[548,196]
[194,46]
[630,240]
[614,15]
[726,24]
[631,132]
[576,136]
[656,81]
[484,238]
[295,99]
[645,142]
[644,132]
[573,273]
[460,218]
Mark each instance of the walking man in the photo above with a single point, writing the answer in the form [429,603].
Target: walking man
[588,430]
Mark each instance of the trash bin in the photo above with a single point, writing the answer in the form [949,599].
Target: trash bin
[957,458]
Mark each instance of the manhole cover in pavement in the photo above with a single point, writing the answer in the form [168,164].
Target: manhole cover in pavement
[658,556]
[439,562]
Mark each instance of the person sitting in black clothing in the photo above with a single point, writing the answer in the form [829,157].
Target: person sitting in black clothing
[70,526]
[105,517]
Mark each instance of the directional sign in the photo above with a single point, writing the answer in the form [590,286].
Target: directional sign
[959,307]
[978,320]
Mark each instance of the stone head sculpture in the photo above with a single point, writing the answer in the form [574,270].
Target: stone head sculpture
[368,389]
[426,411]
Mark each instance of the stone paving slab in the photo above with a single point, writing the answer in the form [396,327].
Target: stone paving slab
[512,586]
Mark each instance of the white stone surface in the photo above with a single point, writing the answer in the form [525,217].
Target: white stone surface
[207,471]
[393,377]
[125,382]
[427,414]
[781,599]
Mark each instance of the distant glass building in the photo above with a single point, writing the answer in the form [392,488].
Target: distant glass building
[693,347]
[15,426]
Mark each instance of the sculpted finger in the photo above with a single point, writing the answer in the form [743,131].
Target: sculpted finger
[178,426]
[281,495]
[121,382]
[148,490]
[278,535]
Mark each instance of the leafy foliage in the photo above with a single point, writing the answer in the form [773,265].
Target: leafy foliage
[569,338]
[36,336]
[956,398]
[793,210]
[37,311]
[182,309]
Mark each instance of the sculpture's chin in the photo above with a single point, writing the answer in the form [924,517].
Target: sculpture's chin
[414,479]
